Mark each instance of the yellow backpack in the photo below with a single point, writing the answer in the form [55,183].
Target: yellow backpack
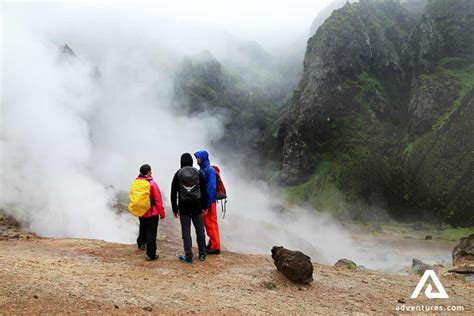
[139,197]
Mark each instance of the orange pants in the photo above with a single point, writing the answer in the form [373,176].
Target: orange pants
[212,227]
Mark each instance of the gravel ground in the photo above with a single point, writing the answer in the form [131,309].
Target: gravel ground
[43,275]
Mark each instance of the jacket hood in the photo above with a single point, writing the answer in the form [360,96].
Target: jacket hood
[204,157]
[186,160]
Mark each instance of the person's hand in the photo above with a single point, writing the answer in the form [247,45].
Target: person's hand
[205,211]
[176,215]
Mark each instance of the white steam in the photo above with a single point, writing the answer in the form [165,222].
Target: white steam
[69,133]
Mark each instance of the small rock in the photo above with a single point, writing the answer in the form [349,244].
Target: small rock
[376,228]
[116,306]
[148,309]
[346,263]
[294,265]
[463,252]
[35,296]
[419,266]
[401,301]
[269,285]
[428,237]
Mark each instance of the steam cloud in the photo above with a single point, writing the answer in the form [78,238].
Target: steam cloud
[68,135]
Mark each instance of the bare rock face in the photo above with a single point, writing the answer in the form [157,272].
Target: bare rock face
[294,265]
[431,98]
[463,252]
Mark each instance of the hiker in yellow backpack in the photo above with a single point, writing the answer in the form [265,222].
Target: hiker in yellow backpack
[146,204]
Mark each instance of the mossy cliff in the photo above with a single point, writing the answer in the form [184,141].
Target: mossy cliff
[383,115]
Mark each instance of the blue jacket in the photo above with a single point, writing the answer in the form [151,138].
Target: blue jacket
[209,175]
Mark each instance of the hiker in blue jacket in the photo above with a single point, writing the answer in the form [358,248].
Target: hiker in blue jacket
[210,215]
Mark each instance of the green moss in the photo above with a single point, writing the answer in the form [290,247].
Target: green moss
[274,177]
[453,234]
[371,91]
[445,233]
[408,149]
[457,68]
[321,190]
[269,285]
[352,266]
[453,63]
[352,171]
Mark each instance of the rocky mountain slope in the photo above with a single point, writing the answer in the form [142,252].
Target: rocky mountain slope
[383,113]
[247,93]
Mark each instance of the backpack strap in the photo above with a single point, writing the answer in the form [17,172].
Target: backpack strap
[223,207]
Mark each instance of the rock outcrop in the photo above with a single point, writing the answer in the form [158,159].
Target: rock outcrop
[294,265]
[419,266]
[463,252]
[346,263]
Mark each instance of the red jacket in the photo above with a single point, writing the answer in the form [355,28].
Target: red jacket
[155,195]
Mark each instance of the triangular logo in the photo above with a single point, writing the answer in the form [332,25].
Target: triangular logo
[430,274]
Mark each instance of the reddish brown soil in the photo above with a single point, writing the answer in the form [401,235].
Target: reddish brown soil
[42,275]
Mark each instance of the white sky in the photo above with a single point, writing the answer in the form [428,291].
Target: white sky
[263,21]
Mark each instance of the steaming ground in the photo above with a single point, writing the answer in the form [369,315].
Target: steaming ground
[326,241]
[76,129]
[58,276]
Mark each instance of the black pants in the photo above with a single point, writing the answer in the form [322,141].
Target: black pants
[147,234]
[186,232]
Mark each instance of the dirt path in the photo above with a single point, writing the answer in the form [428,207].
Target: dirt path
[40,275]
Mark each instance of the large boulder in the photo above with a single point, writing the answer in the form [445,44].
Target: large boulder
[294,265]
[463,252]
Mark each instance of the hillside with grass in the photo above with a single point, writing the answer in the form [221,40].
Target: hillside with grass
[382,119]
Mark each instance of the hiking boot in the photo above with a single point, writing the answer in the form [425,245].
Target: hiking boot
[147,258]
[185,259]
[141,247]
[202,258]
[213,251]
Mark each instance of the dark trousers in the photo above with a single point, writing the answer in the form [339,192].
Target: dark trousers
[147,234]
[186,232]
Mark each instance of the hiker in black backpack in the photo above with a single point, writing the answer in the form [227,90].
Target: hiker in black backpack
[189,199]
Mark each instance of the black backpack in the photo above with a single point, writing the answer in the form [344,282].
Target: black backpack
[189,189]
